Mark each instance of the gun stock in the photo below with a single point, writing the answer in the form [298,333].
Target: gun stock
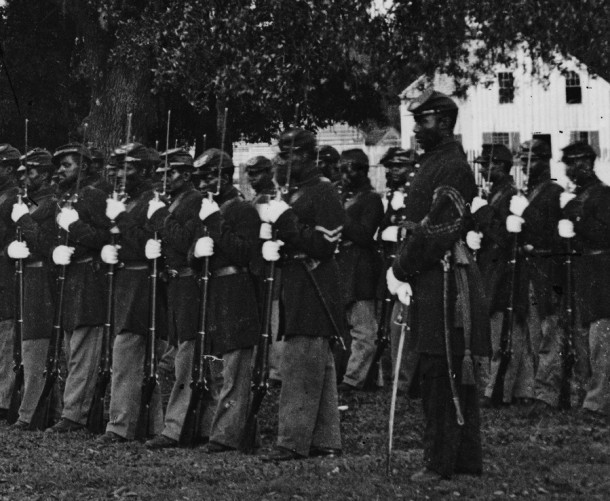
[260,375]
[568,351]
[506,336]
[190,434]
[17,392]
[149,383]
[95,420]
[383,340]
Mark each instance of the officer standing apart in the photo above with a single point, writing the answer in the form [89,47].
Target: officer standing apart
[310,228]
[39,233]
[435,263]
[535,217]
[359,264]
[586,222]
[494,246]
[82,218]
[131,294]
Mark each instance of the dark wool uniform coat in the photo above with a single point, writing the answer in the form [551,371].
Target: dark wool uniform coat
[590,213]
[496,251]
[358,259]
[40,233]
[132,285]
[8,197]
[315,206]
[544,264]
[233,319]
[84,287]
[442,187]
[177,225]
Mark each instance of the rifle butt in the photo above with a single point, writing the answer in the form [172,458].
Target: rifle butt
[190,435]
[95,420]
[248,443]
[16,397]
[143,424]
[43,416]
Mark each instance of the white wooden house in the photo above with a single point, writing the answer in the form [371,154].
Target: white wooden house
[511,106]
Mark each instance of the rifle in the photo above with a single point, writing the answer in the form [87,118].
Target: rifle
[260,374]
[506,337]
[43,415]
[568,352]
[200,388]
[95,420]
[149,383]
[17,393]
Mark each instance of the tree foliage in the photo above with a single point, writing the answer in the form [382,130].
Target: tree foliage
[339,60]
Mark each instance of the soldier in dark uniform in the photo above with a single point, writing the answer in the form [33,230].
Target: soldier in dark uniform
[97,174]
[9,162]
[37,223]
[177,226]
[233,319]
[586,223]
[131,294]
[83,230]
[537,216]
[310,228]
[327,159]
[359,264]
[447,316]
[260,172]
[494,246]
[401,166]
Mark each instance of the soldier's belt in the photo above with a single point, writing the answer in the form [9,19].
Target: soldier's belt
[538,252]
[345,243]
[34,264]
[135,266]
[181,272]
[595,252]
[228,270]
[84,260]
[297,256]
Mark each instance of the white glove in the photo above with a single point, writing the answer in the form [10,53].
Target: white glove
[154,206]
[19,209]
[113,209]
[62,255]
[271,250]
[518,203]
[398,200]
[566,228]
[265,232]
[204,247]
[66,217]
[152,248]
[392,281]
[514,223]
[564,198]
[208,207]
[274,210]
[404,293]
[390,234]
[18,250]
[473,239]
[477,203]
[110,253]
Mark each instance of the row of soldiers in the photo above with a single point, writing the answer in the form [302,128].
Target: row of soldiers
[463,260]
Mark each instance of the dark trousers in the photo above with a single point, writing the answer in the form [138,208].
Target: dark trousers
[448,447]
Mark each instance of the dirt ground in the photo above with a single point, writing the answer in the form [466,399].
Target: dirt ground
[559,456]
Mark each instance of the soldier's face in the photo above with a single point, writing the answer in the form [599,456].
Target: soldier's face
[177,180]
[579,170]
[259,179]
[34,179]
[537,166]
[493,171]
[427,131]
[398,174]
[6,172]
[131,174]
[67,174]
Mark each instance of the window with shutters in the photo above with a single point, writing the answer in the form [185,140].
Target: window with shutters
[506,83]
[588,136]
[573,89]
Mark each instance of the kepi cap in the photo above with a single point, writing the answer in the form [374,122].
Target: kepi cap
[495,152]
[430,102]
[579,149]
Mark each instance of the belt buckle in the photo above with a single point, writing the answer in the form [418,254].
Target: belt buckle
[172,273]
